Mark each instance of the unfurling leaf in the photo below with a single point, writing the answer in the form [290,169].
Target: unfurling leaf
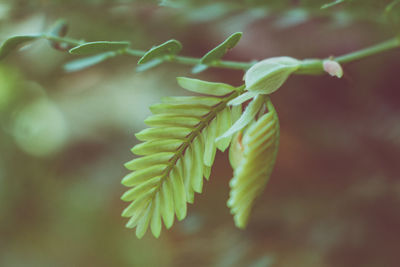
[177,153]
[218,52]
[169,48]
[14,42]
[252,158]
[98,47]
[266,76]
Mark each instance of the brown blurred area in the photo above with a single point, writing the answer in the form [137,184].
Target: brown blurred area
[333,198]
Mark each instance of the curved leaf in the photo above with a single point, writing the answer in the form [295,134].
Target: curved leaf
[14,42]
[218,52]
[169,48]
[252,158]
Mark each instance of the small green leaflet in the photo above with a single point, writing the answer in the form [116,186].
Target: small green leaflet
[14,42]
[218,52]
[98,47]
[87,62]
[169,48]
[204,87]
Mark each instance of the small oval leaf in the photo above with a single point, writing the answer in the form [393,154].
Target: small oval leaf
[98,47]
[218,52]
[169,48]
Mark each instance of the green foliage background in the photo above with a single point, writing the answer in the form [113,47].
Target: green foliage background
[334,195]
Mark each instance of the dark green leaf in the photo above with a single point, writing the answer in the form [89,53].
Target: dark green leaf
[12,43]
[218,52]
[98,47]
[169,48]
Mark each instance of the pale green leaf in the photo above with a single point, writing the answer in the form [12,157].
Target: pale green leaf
[155,146]
[167,205]
[143,175]
[172,120]
[224,122]
[179,193]
[143,223]
[161,133]
[268,75]
[141,189]
[203,87]
[181,109]
[210,147]
[147,161]
[155,225]
[192,100]
[252,158]
[197,167]
[186,166]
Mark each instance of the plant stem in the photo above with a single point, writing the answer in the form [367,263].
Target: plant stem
[308,66]
[369,51]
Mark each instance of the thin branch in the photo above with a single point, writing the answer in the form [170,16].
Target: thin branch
[308,66]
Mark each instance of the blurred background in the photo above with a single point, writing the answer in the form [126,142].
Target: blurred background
[334,196]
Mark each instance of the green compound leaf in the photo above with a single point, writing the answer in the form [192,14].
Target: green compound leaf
[14,42]
[177,153]
[266,76]
[87,62]
[98,47]
[252,158]
[169,48]
[218,52]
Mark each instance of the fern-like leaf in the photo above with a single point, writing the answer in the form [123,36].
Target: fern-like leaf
[177,152]
[252,156]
